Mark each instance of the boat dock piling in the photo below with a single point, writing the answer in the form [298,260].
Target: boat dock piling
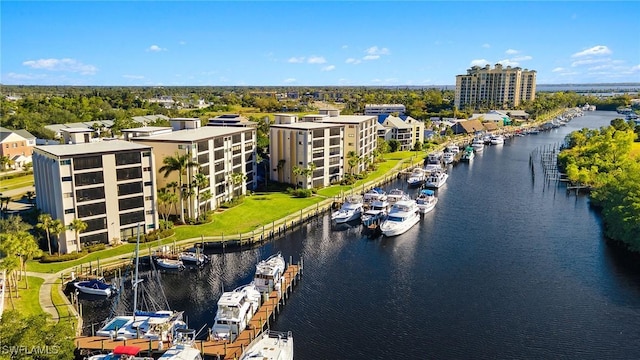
[210,348]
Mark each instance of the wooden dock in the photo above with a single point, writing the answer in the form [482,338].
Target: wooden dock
[209,348]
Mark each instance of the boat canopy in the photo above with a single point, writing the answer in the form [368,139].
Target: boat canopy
[427,192]
[126,350]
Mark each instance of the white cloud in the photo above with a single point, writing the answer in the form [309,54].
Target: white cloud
[589,62]
[345,46]
[374,50]
[296,60]
[371,57]
[352,61]
[511,52]
[486,46]
[316,60]
[329,68]
[508,62]
[558,69]
[479,62]
[136,77]
[289,80]
[156,48]
[182,42]
[596,50]
[66,64]
[522,58]
[635,68]
[16,76]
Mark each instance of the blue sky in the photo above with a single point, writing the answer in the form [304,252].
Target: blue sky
[314,43]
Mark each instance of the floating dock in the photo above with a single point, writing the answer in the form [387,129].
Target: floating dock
[217,349]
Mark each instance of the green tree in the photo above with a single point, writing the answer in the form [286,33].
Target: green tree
[237,178]
[200,182]
[37,332]
[77,226]
[353,160]
[394,145]
[166,201]
[44,223]
[180,164]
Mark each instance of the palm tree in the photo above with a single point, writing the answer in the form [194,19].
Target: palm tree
[44,223]
[179,163]
[353,161]
[77,226]
[265,164]
[56,229]
[206,196]
[308,172]
[166,200]
[297,171]
[200,181]
[236,179]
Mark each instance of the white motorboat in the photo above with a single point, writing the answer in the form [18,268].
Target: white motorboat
[183,347]
[417,177]
[169,264]
[395,195]
[432,167]
[232,316]
[426,201]
[270,345]
[193,258]
[436,179]
[448,158]
[94,287]
[163,325]
[351,210]
[435,157]
[402,216]
[252,294]
[468,154]
[497,140]
[453,148]
[269,273]
[376,213]
[373,195]
[477,145]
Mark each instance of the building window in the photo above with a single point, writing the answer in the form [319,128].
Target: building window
[95,238]
[69,211]
[128,158]
[130,188]
[89,162]
[92,209]
[90,194]
[129,173]
[148,198]
[96,224]
[133,217]
[89,178]
[66,178]
[130,203]
[146,153]
[148,183]
[65,162]
[67,195]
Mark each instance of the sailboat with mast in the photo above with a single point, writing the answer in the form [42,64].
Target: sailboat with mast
[156,324]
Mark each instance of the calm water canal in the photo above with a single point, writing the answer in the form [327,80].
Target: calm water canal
[507,266]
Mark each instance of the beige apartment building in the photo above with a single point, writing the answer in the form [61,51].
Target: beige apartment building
[313,146]
[220,151]
[110,185]
[360,135]
[497,88]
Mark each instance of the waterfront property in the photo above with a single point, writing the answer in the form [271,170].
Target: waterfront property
[317,147]
[406,130]
[220,152]
[500,87]
[109,185]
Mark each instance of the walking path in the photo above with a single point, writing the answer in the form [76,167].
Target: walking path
[46,301]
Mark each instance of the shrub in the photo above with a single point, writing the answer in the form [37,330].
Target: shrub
[95,247]
[46,258]
[302,193]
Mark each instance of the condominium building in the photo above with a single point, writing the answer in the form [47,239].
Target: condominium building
[109,185]
[360,135]
[316,148]
[407,131]
[499,87]
[384,109]
[225,155]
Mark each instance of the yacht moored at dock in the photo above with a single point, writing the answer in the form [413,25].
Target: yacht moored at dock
[395,195]
[269,272]
[402,216]
[376,213]
[417,177]
[436,179]
[426,201]
[373,195]
[270,345]
[351,210]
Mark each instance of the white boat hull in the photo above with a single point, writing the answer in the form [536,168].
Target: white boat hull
[394,229]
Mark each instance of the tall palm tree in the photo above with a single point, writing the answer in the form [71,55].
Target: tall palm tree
[44,223]
[178,163]
[236,179]
[280,166]
[297,171]
[353,161]
[77,226]
[200,181]
[56,229]
[166,200]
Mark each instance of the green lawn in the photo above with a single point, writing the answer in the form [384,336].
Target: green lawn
[256,210]
[59,302]
[29,301]
[16,183]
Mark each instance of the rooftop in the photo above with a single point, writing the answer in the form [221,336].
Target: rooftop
[201,133]
[90,148]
